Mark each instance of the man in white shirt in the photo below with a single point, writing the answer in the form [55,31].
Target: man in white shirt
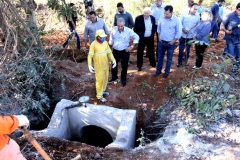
[157,11]
[119,40]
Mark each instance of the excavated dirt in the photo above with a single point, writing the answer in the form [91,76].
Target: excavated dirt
[143,93]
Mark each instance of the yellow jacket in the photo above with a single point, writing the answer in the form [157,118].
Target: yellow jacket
[100,52]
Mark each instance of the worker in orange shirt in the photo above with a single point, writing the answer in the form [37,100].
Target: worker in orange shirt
[9,149]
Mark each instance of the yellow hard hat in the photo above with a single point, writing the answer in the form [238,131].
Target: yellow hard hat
[100,33]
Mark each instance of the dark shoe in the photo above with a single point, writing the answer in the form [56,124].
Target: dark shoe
[145,55]
[139,69]
[179,65]
[105,94]
[124,83]
[165,75]
[112,79]
[156,74]
[153,65]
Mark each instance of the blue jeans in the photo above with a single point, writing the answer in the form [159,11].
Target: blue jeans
[183,42]
[69,37]
[164,46]
[233,49]
[215,29]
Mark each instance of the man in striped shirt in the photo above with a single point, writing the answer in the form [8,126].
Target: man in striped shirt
[119,41]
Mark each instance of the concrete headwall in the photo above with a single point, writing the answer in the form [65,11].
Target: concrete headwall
[67,123]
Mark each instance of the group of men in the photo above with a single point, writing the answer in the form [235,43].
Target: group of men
[159,20]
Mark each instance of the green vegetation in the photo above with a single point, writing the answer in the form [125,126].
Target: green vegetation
[209,98]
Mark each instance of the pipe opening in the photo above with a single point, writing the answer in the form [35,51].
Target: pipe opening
[94,135]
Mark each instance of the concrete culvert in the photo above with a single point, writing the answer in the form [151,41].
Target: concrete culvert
[72,123]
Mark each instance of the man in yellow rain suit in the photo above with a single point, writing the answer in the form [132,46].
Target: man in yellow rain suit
[100,52]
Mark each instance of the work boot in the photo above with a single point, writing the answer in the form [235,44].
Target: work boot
[103,100]
[105,94]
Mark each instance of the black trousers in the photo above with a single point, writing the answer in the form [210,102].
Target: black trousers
[149,42]
[199,50]
[124,57]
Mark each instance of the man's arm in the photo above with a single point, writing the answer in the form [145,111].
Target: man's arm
[154,27]
[225,24]
[225,30]
[109,53]
[115,20]
[90,54]
[178,31]
[85,36]
[217,14]
[130,21]
[135,38]
[181,21]
[110,42]
[135,28]
[105,28]
[159,29]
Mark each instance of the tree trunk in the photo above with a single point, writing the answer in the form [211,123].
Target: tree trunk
[2,23]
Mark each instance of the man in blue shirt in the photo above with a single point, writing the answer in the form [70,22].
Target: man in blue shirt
[231,27]
[189,22]
[216,18]
[92,25]
[170,30]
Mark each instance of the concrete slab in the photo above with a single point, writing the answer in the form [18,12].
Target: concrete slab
[67,123]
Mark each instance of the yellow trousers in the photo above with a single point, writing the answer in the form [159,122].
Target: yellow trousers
[101,82]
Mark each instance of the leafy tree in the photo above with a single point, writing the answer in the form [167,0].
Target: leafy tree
[25,73]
